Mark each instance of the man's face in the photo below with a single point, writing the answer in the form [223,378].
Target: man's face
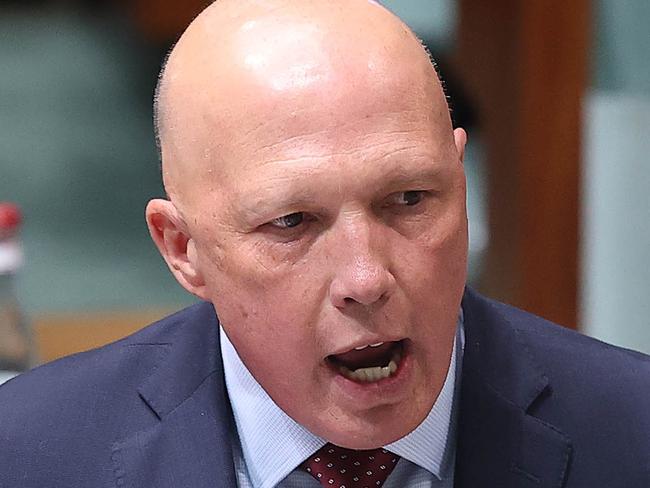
[329,230]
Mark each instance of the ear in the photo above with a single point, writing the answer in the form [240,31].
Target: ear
[170,234]
[460,139]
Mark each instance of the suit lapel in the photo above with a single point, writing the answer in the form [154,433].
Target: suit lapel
[190,445]
[499,442]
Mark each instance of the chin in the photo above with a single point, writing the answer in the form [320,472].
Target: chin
[378,432]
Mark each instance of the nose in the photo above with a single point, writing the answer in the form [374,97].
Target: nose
[362,275]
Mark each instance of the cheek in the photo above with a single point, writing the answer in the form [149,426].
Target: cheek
[433,270]
[269,313]
[443,245]
[274,336]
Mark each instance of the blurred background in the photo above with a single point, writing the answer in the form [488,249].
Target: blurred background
[555,97]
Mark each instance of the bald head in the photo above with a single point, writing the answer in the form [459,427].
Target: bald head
[242,64]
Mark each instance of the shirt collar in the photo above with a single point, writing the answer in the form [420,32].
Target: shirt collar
[273,444]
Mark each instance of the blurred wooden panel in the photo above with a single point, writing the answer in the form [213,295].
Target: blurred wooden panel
[164,20]
[526,64]
[63,334]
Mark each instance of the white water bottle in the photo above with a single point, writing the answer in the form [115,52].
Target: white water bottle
[15,338]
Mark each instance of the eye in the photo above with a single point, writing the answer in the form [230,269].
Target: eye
[409,198]
[288,221]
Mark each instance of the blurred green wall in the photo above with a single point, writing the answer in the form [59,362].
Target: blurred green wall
[77,154]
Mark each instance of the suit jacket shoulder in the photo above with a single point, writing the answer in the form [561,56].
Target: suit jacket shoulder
[571,411]
[64,424]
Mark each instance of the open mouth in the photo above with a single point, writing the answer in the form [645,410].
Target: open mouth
[369,363]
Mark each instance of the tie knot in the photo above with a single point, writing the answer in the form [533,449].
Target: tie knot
[348,468]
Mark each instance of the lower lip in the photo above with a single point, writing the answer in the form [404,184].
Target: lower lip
[386,388]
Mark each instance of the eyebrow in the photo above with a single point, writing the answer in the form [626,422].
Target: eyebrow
[421,176]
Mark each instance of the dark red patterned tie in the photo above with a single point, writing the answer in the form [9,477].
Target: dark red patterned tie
[335,466]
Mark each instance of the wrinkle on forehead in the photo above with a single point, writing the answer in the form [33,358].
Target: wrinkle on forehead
[258,67]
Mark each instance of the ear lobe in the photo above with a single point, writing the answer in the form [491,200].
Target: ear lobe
[460,139]
[170,234]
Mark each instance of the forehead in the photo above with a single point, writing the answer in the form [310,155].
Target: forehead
[369,115]
[371,132]
[358,158]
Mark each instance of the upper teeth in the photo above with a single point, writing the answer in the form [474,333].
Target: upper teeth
[361,348]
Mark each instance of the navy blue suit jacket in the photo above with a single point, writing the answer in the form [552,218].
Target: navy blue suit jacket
[540,406]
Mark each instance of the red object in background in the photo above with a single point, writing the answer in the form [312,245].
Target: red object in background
[15,335]
[10,217]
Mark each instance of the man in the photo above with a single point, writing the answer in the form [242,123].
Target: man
[317,200]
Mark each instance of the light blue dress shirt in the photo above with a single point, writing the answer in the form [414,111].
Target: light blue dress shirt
[269,445]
